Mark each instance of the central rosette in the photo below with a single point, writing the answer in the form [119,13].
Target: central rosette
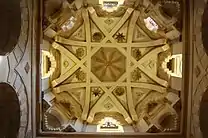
[108,64]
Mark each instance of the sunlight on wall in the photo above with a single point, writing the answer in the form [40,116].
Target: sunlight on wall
[151,24]
[176,70]
[111,5]
[108,124]
[1,58]
[47,70]
[69,24]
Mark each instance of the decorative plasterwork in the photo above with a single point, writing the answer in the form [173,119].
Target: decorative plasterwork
[112,67]
[108,64]
[47,70]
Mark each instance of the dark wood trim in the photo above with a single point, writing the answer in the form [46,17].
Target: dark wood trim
[187,65]
[109,136]
[37,19]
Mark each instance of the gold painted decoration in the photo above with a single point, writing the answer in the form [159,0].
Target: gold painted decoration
[109,66]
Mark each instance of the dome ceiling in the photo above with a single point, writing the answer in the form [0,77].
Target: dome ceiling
[120,65]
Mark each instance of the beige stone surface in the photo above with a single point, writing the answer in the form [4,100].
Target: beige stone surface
[200,81]
[13,69]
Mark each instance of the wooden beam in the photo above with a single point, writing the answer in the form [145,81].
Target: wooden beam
[156,51]
[153,43]
[130,33]
[108,93]
[73,69]
[85,16]
[105,84]
[149,86]
[86,106]
[119,24]
[96,108]
[65,52]
[99,104]
[69,42]
[69,54]
[67,87]
[99,24]
[64,76]
[148,72]
[131,26]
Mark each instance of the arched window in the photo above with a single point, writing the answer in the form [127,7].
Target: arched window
[109,124]
[205,29]
[9,112]
[203,114]
[48,64]
[110,5]
[173,65]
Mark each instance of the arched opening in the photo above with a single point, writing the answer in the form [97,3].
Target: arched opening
[168,122]
[204,102]
[170,9]
[109,124]
[52,122]
[205,29]
[203,114]
[10,25]
[9,112]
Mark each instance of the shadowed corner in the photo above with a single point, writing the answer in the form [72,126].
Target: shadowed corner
[9,112]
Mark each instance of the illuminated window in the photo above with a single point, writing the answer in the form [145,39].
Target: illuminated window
[151,24]
[110,5]
[108,124]
[1,58]
[175,61]
[177,68]
[69,24]
[48,64]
